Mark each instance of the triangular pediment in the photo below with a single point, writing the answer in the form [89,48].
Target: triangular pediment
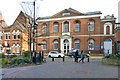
[66,13]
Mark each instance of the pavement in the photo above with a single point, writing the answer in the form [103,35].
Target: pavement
[67,69]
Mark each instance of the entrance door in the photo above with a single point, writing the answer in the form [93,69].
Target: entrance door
[66,46]
[108,46]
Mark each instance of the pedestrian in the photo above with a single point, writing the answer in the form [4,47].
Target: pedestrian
[81,51]
[76,56]
[83,57]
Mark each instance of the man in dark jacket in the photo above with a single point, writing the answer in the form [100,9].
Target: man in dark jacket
[76,56]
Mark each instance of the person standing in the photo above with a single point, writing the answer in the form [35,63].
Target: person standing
[76,56]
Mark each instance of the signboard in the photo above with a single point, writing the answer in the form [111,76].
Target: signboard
[97,47]
[101,45]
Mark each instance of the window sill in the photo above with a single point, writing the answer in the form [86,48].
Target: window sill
[7,39]
[16,39]
[55,49]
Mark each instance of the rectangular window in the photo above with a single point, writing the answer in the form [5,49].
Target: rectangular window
[66,27]
[56,27]
[14,36]
[14,49]
[56,46]
[18,50]
[76,45]
[8,36]
[77,27]
[91,26]
[65,13]
[5,36]
[44,28]
[18,36]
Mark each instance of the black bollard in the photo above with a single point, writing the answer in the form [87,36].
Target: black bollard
[52,58]
[63,58]
[88,59]
[35,57]
[40,56]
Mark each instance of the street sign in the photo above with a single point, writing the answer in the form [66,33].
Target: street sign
[97,47]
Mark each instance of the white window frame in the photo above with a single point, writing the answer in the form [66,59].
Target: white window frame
[44,28]
[14,48]
[66,27]
[9,36]
[18,48]
[6,36]
[77,26]
[55,45]
[44,46]
[65,13]
[1,35]
[91,26]
[55,27]
[77,44]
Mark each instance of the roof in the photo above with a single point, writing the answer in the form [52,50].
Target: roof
[76,13]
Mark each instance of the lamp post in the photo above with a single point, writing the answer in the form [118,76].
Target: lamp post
[89,38]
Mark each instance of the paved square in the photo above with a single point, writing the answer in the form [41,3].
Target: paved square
[67,69]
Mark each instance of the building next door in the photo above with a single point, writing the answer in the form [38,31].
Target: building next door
[66,46]
[108,46]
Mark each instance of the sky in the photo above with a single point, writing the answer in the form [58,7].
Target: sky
[11,8]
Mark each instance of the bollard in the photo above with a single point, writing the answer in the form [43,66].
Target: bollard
[63,58]
[52,58]
[88,59]
[45,59]
[40,56]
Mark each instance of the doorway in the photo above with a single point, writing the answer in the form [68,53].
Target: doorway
[108,46]
[66,46]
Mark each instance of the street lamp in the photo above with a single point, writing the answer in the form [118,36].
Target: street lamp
[89,44]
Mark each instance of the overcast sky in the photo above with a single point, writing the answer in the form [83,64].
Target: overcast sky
[11,8]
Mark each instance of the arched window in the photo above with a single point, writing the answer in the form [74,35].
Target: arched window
[55,27]
[44,46]
[18,34]
[91,26]
[77,46]
[44,28]
[66,27]
[91,44]
[14,34]
[55,45]
[77,26]
[107,30]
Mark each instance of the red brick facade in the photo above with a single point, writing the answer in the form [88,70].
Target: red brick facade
[14,38]
[98,35]
[74,30]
